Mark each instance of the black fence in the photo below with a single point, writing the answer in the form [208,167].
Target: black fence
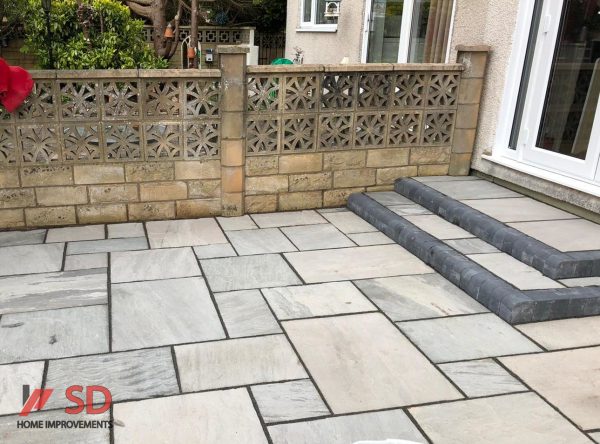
[271,46]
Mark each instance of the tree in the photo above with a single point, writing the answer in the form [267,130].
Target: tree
[88,34]
[11,17]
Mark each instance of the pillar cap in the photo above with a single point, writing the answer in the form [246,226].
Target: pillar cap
[473,48]
[232,49]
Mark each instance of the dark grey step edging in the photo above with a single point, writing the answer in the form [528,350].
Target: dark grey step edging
[548,260]
[511,304]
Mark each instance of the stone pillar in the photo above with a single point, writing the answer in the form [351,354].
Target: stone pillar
[474,59]
[233,128]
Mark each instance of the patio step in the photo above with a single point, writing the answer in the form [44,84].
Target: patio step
[512,304]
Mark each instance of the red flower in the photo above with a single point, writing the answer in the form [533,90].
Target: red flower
[15,85]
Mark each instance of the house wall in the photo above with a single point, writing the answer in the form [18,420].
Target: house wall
[327,47]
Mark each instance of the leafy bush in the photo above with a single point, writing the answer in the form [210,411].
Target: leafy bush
[98,34]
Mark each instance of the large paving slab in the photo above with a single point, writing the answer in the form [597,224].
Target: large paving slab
[349,223]
[348,429]
[471,246]
[287,219]
[570,380]
[107,245]
[555,233]
[134,229]
[86,261]
[70,234]
[316,300]
[12,379]
[237,223]
[418,297]
[25,259]
[317,237]
[45,291]
[174,311]
[343,354]
[518,209]
[477,189]
[355,263]
[247,272]
[466,337]
[390,198]
[214,251]
[373,238]
[146,265]
[428,179]
[245,313]
[184,233]
[226,417]
[53,333]
[262,241]
[564,333]
[507,419]
[14,238]
[237,362]
[438,227]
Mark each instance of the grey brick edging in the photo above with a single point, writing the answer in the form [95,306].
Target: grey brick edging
[548,260]
[500,297]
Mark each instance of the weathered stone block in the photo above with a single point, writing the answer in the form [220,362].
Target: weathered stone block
[469,91]
[474,62]
[232,204]
[204,188]
[389,175]
[232,125]
[17,198]
[261,204]
[51,216]
[433,170]
[157,191]
[378,188]
[92,174]
[300,201]
[232,179]
[429,155]
[460,165]
[151,211]
[149,172]
[310,182]
[114,193]
[46,176]
[464,141]
[193,208]
[96,214]
[266,185]
[388,157]
[338,198]
[262,165]
[467,115]
[57,196]
[232,152]
[12,218]
[9,177]
[344,160]
[195,169]
[354,178]
[301,163]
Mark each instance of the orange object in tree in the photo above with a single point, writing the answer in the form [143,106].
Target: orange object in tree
[15,86]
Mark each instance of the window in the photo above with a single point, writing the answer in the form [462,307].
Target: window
[320,15]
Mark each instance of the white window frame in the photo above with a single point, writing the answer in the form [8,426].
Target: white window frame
[311,26]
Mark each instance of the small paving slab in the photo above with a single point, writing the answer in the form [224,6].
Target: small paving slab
[147,265]
[581,282]
[355,263]
[70,234]
[390,198]
[518,209]
[364,427]
[134,229]
[184,233]
[471,246]
[107,245]
[247,272]
[236,223]
[226,417]
[263,241]
[214,251]
[154,313]
[564,333]
[418,297]
[428,179]
[130,375]
[317,237]
[507,419]
[86,261]
[366,239]
[14,238]
[53,333]
[553,233]
[317,300]
[287,401]
[45,291]
[342,356]
[27,259]
[349,223]
[438,227]
[237,362]
[12,379]
[466,337]
[409,210]
[287,219]
[476,189]
[568,379]
[481,378]
[245,313]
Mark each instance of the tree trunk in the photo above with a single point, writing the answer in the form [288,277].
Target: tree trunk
[194,31]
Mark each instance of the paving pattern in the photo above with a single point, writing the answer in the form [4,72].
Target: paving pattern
[303,328]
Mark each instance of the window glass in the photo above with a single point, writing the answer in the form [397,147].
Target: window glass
[307,10]
[384,34]
[430,31]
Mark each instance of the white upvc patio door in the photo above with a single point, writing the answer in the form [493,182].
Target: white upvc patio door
[560,129]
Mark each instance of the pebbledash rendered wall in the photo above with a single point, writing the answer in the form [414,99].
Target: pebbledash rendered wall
[113,146]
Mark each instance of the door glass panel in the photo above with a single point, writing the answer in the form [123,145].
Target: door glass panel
[430,31]
[574,85]
[384,34]
[307,10]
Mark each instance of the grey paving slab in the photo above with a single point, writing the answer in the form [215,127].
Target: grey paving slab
[316,300]
[247,272]
[53,333]
[348,429]
[237,223]
[389,198]
[226,417]
[568,379]
[518,209]
[184,233]
[355,263]
[286,219]
[595,436]
[553,233]
[427,179]
[514,271]
[482,378]
[564,333]
[349,223]
[213,251]
[107,245]
[130,375]
[581,282]
[86,261]
[344,353]
[287,401]
[237,362]
[70,234]
[472,246]
[409,210]
[12,379]
[147,265]
[417,297]
[507,419]
[466,337]
[317,237]
[475,189]
[27,259]
[263,241]
[14,238]
[332,210]
[367,239]
[10,433]
[149,314]
[45,291]
[134,229]
[246,313]
[438,227]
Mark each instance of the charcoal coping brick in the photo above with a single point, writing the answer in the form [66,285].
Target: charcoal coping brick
[548,260]
[511,304]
